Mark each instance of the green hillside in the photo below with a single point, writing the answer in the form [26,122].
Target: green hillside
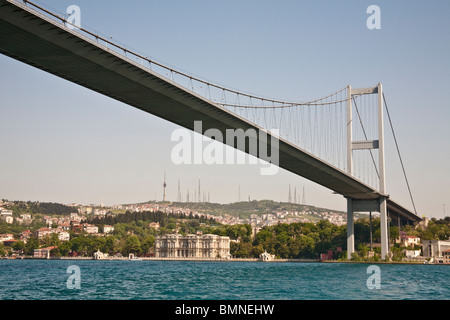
[244,209]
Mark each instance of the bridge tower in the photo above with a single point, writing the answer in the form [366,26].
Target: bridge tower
[362,205]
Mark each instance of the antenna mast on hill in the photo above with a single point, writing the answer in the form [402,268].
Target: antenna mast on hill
[179,192]
[164,187]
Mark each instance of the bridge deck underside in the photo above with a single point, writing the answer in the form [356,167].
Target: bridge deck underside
[64,53]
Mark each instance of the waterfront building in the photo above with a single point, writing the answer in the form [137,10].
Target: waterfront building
[265,256]
[435,248]
[412,253]
[326,256]
[192,246]
[43,253]
[446,256]
[100,255]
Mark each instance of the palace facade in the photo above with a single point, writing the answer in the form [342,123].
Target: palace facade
[192,246]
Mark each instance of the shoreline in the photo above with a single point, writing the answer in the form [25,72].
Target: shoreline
[188,259]
[162,259]
[223,260]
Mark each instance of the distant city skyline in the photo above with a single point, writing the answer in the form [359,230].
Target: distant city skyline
[64,143]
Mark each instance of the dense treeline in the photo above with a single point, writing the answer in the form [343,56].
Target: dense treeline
[309,240]
[84,245]
[293,241]
[156,216]
[436,230]
[244,209]
[46,208]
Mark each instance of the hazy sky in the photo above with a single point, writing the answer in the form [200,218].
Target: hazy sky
[63,143]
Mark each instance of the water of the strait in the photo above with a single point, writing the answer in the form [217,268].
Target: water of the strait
[189,280]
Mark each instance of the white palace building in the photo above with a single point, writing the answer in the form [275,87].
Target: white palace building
[192,246]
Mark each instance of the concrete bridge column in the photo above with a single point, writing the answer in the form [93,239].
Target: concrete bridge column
[384,223]
[384,227]
[350,229]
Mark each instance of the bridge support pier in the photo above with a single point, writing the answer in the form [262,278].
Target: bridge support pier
[358,205]
[350,229]
[384,227]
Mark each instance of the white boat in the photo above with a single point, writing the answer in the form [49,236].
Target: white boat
[131,257]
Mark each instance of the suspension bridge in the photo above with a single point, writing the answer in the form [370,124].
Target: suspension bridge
[336,141]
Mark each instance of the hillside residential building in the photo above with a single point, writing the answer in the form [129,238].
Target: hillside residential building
[192,246]
[64,226]
[89,228]
[25,235]
[5,213]
[7,216]
[62,234]
[100,255]
[42,232]
[26,216]
[154,225]
[108,229]
[9,219]
[6,237]
[410,241]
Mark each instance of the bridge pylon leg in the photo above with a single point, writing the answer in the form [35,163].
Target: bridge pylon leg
[350,229]
[384,227]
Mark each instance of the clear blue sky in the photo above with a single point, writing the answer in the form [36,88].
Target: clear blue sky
[63,143]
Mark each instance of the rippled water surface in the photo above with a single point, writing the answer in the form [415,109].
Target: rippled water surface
[173,280]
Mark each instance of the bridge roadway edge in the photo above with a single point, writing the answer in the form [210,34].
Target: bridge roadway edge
[27,38]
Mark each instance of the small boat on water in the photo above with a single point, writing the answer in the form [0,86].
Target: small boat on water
[132,257]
